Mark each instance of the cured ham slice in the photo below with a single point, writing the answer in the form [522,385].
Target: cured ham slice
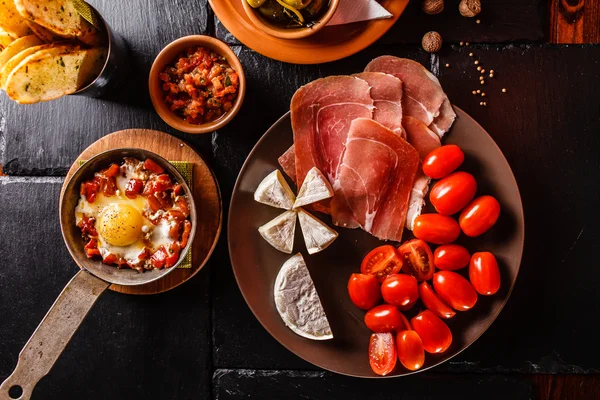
[288,163]
[376,177]
[442,123]
[386,92]
[321,114]
[422,93]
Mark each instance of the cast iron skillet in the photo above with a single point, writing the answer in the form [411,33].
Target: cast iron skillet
[77,298]
[256,264]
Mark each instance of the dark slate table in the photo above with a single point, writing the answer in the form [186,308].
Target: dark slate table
[201,340]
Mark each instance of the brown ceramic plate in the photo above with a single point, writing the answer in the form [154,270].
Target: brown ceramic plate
[328,44]
[256,263]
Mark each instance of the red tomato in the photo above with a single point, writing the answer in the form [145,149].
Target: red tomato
[436,228]
[381,262]
[364,290]
[152,166]
[133,188]
[159,258]
[451,257]
[382,353]
[384,318]
[479,216]
[434,333]
[442,161]
[408,306]
[454,290]
[431,300]
[111,171]
[410,350]
[400,290]
[417,259]
[484,273]
[90,190]
[453,193]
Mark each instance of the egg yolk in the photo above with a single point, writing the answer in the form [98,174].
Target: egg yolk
[120,224]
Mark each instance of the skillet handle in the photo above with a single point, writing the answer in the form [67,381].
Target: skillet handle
[52,335]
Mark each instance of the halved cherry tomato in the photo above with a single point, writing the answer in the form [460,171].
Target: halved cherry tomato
[410,350]
[364,290]
[417,259]
[431,300]
[436,228]
[434,333]
[381,262]
[453,193]
[400,289]
[479,216]
[384,318]
[382,353]
[451,257]
[484,273]
[442,161]
[152,166]
[454,290]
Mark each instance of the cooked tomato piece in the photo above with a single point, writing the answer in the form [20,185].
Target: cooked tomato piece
[87,226]
[442,161]
[484,273]
[434,333]
[381,262]
[384,318]
[159,258]
[133,188]
[479,216]
[454,290]
[185,236]
[110,259]
[364,290]
[400,289]
[451,257]
[417,259]
[431,300]
[111,171]
[172,255]
[410,350]
[182,204]
[382,353]
[175,214]
[90,190]
[453,193]
[145,254]
[159,184]
[154,203]
[91,248]
[436,228]
[152,166]
[178,190]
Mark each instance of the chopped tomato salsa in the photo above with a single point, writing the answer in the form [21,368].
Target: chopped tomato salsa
[199,85]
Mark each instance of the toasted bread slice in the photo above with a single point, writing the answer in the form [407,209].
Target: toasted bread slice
[18,46]
[11,21]
[5,39]
[16,60]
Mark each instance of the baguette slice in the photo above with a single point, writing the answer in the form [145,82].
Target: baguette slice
[11,21]
[16,60]
[18,46]
[5,39]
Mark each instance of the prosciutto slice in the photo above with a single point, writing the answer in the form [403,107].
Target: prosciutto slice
[376,177]
[386,92]
[442,123]
[321,114]
[422,96]
[288,162]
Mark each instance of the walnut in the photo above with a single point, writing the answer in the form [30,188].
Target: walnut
[433,6]
[469,8]
[432,42]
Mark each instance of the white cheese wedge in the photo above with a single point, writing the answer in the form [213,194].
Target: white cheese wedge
[317,235]
[298,303]
[279,232]
[274,191]
[315,188]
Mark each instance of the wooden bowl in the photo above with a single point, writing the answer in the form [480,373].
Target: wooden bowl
[166,56]
[289,33]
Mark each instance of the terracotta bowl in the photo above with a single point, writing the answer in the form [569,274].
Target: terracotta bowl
[166,56]
[289,33]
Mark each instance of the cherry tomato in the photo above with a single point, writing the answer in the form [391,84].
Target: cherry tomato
[454,290]
[152,166]
[382,353]
[484,273]
[384,318]
[442,161]
[381,262]
[408,306]
[364,290]
[434,333]
[417,259]
[410,350]
[433,303]
[400,290]
[451,257]
[479,216]
[436,228]
[453,193]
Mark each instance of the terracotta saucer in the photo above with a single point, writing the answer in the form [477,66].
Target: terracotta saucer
[256,264]
[329,44]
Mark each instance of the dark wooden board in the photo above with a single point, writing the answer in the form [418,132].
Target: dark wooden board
[574,21]
[292,385]
[128,346]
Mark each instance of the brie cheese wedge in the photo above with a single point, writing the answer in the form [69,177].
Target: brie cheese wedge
[317,235]
[315,188]
[279,232]
[274,191]
[298,303]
